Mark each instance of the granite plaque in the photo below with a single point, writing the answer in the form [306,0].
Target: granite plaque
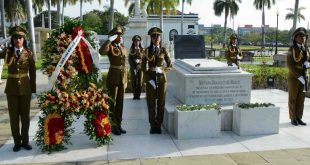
[189,46]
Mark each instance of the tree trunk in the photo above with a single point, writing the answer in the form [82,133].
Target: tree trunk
[182,17]
[49,14]
[81,10]
[63,12]
[225,27]
[58,13]
[111,19]
[161,20]
[3,29]
[31,27]
[263,27]
[295,14]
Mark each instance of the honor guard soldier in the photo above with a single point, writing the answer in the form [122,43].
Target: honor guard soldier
[135,61]
[298,64]
[233,54]
[21,83]
[156,80]
[117,75]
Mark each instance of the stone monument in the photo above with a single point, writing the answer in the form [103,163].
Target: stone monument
[189,46]
[137,26]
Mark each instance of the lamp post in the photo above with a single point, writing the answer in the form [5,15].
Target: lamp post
[276,51]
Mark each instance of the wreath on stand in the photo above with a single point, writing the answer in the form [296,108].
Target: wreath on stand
[75,91]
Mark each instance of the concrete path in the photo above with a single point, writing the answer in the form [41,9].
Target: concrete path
[290,146]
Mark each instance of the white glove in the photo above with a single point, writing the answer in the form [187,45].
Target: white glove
[306,64]
[233,64]
[135,71]
[238,57]
[33,96]
[137,61]
[152,82]
[302,80]
[159,70]
[112,38]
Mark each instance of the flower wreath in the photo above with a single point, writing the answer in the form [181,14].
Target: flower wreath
[75,92]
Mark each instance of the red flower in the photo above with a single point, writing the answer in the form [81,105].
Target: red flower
[101,124]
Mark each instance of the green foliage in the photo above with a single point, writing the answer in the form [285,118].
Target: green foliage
[254,105]
[37,20]
[261,72]
[213,106]
[98,20]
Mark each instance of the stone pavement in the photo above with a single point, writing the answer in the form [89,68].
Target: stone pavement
[138,147]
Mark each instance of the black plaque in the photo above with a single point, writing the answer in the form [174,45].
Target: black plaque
[189,46]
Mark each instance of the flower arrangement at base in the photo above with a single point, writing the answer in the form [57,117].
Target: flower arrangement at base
[75,91]
[254,105]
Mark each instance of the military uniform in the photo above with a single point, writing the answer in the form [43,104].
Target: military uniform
[135,60]
[155,58]
[20,84]
[117,75]
[295,62]
[232,52]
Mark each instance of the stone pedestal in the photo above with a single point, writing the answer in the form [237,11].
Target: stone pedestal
[202,81]
[137,26]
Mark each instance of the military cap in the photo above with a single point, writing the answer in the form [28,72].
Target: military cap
[18,30]
[233,36]
[136,37]
[116,30]
[154,30]
[299,31]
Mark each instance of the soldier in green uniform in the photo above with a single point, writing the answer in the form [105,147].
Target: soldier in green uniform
[156,81]
[20,84]
[233,53]
[117,75]
[298,63]
[135,60]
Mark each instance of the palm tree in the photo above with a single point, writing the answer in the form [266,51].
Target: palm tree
[3,29]
[290,16]
[111,15]
[31,27]
[15,11]
[260,4]
[295,15]
[183,1]
[229,7]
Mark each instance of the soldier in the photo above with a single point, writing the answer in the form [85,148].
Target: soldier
[298,63]
[117,75]
[234,53]
[19,86]
[135,60]
[156,80]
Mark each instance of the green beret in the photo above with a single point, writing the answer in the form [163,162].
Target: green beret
[136,37]
[233,36]
[154,30]
[116,30]
[299,31]
[18,30]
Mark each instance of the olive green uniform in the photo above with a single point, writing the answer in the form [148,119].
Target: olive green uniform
[117,77]
[135,71]
[19,86]
[150,59]
[231,55]
[295,87]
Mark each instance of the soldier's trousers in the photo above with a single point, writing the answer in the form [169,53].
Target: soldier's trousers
[19,108]
[117,94]
[136,82]
[156,112]
[296,98]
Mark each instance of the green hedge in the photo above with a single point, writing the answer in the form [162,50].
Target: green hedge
[262,72]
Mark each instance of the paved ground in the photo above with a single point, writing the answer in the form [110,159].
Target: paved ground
[138,147]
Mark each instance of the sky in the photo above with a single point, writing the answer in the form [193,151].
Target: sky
[247,14]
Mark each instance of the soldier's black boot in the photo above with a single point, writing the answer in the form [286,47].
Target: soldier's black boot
[121,130]
[116,131]
[152,130]
[294,122]
[27,146]
[300,122]
[16,148]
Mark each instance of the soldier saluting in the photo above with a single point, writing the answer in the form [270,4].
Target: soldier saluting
[135,60]
[156,80]
[233,54]
[117,75]
[20,84]
[298,63]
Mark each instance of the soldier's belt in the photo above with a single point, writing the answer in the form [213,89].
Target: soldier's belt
[154,68]
[17,75]
[117,67]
